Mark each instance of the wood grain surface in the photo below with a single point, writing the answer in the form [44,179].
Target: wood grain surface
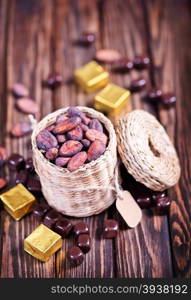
[38,37]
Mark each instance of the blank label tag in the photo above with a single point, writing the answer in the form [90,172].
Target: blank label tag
[129,209]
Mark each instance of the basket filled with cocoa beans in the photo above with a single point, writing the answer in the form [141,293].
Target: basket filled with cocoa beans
[74,153]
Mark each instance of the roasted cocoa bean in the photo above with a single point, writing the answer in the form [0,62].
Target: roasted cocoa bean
[61,138]
[66,125]
[19,90]
[61,118]
[84,127]
[21,128]
[96,149]
[62,161]
[46,140]
[52,153]
[77,161]
[93,135]
[51,127]
[74,112]
[95,124]
[3,183]
[70,148]
[108,55]
[75,134]
[86,143]
[27,106]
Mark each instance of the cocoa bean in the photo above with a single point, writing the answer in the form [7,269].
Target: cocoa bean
[96,149]
[75,112]
[66,125]
[108,55]
[3,156]
[77,161]
[19,90]
[84,127]
[75,134]
[95,124]
[93,135]
[51,127]
[52,153]
[86,120]
[46,140]
[21,128]
[27,106]
[3,183]
[62,161]
[61,138]
[86,143]
[61,118]
[70,148]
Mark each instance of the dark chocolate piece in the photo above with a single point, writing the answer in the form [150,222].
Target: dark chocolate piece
[40,211]
[110,229]
[51,218]
[81,228]
[16,162]
[63,227]
[84,242]
[75,256]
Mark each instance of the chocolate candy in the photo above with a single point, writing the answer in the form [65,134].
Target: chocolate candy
[21,177]
[42,243]
[144,201]
[168,100]
[51,218]
[18,201]
[157,195]
[63,227]
[137,85]
[54,80]
[154,95]
[141,62]
[162,205]
[84,242]
[40,211]
[91,76]
[34,185]
[110,229]
[29,165]
[112,99]
[16,162]
[81,228]
[75,256]
[86,38]
[123,66]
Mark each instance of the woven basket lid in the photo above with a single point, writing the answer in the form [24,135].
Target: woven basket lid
[147,151]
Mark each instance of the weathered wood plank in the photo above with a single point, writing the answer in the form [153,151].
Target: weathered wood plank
[170,44]
[136,254]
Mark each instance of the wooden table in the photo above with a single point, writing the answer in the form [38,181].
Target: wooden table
[38,37]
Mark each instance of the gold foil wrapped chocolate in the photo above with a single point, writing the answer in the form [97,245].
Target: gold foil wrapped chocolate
[18,201]
[42,243]
[91,76]
[111,99]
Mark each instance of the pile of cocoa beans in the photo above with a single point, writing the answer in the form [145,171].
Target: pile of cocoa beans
[73,140]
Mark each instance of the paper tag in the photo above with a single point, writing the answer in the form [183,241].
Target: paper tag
[129,209]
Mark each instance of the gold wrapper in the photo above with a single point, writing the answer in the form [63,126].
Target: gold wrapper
[42,243]
[91,76]
[18,201]
[112,99]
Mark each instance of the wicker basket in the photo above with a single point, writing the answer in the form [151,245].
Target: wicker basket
[86,191]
